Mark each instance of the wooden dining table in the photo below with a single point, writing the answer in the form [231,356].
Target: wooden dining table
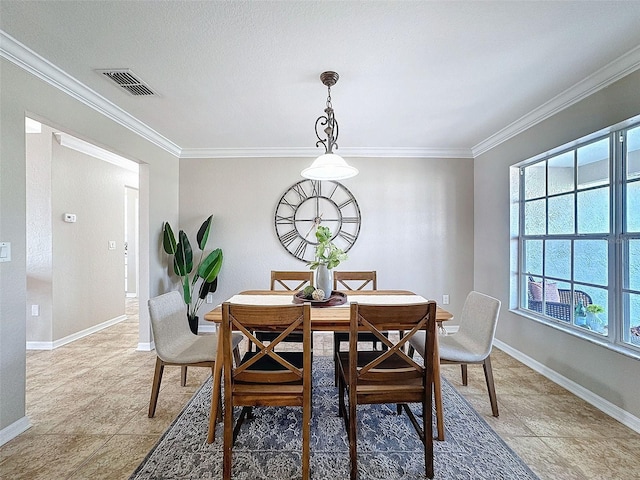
[328,319]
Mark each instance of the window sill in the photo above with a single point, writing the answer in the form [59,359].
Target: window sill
[623,350]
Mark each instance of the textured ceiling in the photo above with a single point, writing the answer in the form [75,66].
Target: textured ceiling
[414,75]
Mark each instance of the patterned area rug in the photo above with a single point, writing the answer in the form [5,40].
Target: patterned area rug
[268,447]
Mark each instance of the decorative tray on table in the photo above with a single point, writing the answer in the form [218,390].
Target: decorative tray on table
[336,298]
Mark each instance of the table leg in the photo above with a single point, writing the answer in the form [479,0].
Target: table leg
[437,387]
[215,395]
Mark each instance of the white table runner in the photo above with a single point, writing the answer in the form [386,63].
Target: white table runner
[368,299]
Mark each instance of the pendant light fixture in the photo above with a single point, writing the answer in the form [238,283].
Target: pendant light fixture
[329,166]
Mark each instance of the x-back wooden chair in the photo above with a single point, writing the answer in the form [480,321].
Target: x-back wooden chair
[353,282]
[390,376]
[287,280]
[290,280]
[266,377]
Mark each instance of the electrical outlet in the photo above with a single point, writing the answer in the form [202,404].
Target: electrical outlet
[209,298]
[445,299]
[35,310]
[112,244]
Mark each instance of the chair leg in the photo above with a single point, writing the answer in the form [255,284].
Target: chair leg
[306,440]
[183,376]
[427,432]
[463,367]
[353,441]
[155,388]
[227,446]
[336,349]
[488,375]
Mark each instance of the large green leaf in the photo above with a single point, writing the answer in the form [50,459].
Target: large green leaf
[211,265]
[203,232]
[186,288]
[168,239]
[183,261]
[208,287]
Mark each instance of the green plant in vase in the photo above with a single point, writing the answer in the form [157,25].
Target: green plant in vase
[205,272]
[594,322]
[328,256]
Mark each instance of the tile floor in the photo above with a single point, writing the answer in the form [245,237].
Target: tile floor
[88,401]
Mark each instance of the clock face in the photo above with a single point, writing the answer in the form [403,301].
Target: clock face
[310,203]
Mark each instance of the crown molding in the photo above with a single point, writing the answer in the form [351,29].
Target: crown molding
[87,148]
[314,152]
[613,71]
[27,59]
[33,63]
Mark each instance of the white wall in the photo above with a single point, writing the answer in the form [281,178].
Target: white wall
[24,94]
[417,221]
[609,375]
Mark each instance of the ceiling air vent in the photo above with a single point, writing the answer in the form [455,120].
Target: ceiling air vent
[128,80]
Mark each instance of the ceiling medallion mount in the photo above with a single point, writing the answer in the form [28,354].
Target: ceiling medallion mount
[329,79]
[329,166]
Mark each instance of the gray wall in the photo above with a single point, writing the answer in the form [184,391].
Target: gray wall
[24,94]
[607,374]
[69,265]
[417,221]
[85,270]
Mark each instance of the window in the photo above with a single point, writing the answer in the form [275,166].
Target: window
[579,237]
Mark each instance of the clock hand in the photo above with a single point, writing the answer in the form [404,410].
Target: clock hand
[316,222]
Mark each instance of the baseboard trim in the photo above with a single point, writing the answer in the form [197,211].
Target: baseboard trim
[13,430]
[207,328]
[578,390]
[146,346]
[75,336]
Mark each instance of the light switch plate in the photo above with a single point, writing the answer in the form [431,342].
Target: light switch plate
[5,251]
[112,244]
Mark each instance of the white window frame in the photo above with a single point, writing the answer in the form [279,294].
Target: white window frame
[617,337]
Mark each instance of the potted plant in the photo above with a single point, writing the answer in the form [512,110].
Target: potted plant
[206,271]
[328,256]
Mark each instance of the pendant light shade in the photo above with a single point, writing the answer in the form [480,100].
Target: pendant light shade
[329,166]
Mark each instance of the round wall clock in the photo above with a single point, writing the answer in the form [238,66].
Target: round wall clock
[310,203]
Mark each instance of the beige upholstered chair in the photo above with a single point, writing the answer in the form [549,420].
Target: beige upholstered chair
[266,377]
[176,344]
[389,376]
[473,341]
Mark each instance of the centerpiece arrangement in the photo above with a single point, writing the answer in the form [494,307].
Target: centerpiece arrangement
[328,256]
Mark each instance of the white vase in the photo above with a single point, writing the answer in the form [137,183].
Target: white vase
[324,280]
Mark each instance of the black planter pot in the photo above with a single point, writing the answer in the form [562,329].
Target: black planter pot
[193,324]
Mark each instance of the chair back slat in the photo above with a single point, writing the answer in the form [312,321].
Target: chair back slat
[392,365]
[353,281]
[281,318]
[292,281]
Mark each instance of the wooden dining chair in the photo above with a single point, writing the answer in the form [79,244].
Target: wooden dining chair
[290,280]
[350,282]
[390,376]
[287,280]
[266,377]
